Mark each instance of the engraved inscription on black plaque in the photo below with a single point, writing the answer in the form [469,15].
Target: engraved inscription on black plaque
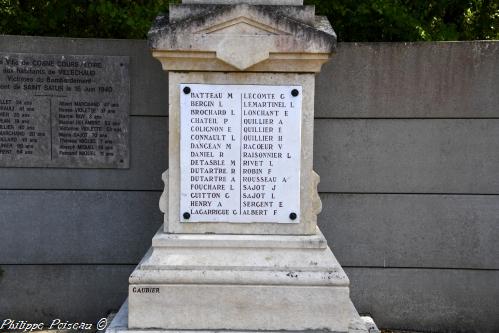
[66,111]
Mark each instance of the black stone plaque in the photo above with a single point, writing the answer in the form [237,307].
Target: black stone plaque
[66,111]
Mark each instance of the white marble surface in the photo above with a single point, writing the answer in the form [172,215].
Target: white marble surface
[240,153]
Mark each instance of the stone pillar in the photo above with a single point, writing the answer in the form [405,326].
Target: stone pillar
[240,249]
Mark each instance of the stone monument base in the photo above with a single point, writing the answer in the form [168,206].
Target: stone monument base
[236,283]
[119,324]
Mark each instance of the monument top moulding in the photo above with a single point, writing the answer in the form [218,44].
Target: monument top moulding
[253,36]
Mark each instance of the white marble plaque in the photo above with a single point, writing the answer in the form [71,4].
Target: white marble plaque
[240,153]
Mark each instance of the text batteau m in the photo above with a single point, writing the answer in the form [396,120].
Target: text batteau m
[240,153]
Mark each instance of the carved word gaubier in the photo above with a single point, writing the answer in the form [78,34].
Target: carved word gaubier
[66,111]
[240,153]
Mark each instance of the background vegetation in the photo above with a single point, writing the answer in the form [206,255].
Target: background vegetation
[353,20]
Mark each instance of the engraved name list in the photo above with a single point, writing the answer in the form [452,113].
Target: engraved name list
[240,153]
[64,111]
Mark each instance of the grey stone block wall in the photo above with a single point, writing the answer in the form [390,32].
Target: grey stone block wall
[407,146]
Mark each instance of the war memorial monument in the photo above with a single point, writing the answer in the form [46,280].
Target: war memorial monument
[240,249]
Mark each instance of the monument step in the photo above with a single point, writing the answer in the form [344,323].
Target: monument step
[119,324]
[317,241]
[239,260]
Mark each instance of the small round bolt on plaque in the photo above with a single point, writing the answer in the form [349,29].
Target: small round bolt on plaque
[292,216]
[295,92]
[187,90]
[186,215]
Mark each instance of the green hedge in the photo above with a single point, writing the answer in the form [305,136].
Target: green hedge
[353,20]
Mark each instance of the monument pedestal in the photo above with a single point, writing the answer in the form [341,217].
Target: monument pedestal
[240,249]
[239,283]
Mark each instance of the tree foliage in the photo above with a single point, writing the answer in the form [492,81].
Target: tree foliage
[411,20]
[353,20]
[80,18]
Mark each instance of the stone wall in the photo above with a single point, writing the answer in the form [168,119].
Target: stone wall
[407,146]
